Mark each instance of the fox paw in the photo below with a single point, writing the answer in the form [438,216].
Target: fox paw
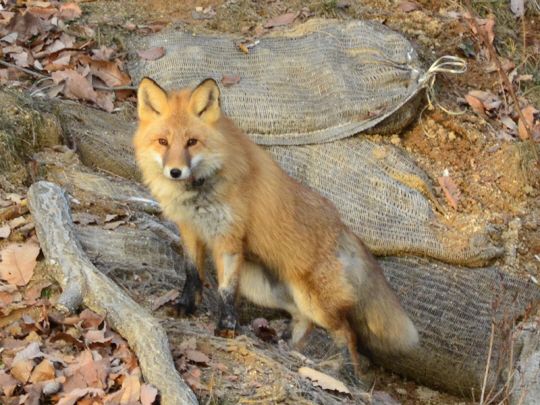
[225,333]
[227,324]
[189,301]
[183,310]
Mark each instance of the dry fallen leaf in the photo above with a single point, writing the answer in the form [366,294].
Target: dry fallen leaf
[109,73]
[284,19]
[5,299]
[503,136]
[152,54]
[506,66]
[476,105]
[111,226]
[262,329]
[130,26]
[323,380]
[490,100]
[103,100]
[95,373]
[528,113]
[18,262]
[524,78]
[22,370]
[70,11]
[84,218]
[148,394]
[29,353]
[74,395]
[44,371]
[21,59]
[407,6]
[90,319]
[96,336]
[25,25]
[131,386]
[76,86]
[40,4]
[197,357]
[114,398]
[43,12]
[34,292]
[66,337]
[230,79]
[111,217]
[102,53]
[451,190]
[4,231]
[8,384]
[17,222]
[193,378]
[243,47]
[509,123]
[517,7]
[488,28]
[168,297]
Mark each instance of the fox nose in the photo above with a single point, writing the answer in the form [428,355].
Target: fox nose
[175,173]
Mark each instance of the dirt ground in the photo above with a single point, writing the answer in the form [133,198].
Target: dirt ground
[497,177]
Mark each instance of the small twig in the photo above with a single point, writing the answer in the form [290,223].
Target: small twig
[42,76]
[38,82]
[98,87]
[27,71]
[484,383]
[504,76]
[524,38]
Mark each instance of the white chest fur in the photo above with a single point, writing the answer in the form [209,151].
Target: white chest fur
[211,220]
[209,215]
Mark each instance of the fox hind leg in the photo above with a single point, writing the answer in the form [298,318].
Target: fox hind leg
[262,288]
[348,334]
[297,332]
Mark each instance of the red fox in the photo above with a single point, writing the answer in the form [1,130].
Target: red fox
[273,240]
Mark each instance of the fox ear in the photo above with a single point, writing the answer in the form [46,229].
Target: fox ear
[152,100]
[204,101]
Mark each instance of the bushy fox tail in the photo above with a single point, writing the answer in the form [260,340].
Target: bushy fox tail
[381,324]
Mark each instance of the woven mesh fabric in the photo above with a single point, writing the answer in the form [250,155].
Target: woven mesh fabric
[134,251]
[322,82]
[452,307]
[102,140]
[380,193]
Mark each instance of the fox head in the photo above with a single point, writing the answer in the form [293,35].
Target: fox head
[177,136]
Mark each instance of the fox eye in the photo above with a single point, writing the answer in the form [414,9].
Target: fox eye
[191,142]
[163,141]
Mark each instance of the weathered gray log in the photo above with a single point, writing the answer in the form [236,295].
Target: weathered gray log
[84,284]
[526,373]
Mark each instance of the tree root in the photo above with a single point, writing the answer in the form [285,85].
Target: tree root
[84,284]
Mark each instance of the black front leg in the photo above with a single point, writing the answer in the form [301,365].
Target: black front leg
[228,319]
[228,265]
[192,294]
